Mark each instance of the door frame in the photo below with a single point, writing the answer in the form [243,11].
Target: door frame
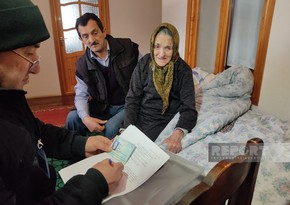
[103,6]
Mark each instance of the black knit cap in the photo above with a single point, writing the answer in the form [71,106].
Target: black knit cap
[21,24]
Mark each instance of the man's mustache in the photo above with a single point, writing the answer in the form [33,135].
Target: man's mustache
[94,43]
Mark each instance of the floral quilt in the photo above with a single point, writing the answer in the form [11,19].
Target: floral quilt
[273,182]
[221,101]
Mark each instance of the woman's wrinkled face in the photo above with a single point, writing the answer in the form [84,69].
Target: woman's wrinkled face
[163,49]
[16,66]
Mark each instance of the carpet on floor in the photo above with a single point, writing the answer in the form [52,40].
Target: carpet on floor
[55,116]
[58,165]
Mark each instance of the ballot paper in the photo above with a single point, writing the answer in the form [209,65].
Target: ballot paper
[141,160]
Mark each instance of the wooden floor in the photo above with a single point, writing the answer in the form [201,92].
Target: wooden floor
[50,102]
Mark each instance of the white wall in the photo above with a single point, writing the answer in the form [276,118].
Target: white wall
[135,19]
[275,95]
[174,12]
[46,83]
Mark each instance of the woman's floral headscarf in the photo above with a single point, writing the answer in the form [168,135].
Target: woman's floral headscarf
[163,76]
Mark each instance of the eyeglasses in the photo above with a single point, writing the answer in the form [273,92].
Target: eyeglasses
[33,63]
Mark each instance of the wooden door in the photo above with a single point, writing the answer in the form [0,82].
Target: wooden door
[67,43]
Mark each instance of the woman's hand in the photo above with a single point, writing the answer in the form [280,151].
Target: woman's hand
[173,142]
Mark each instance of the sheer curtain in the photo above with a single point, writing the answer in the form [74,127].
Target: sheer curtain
[244,32]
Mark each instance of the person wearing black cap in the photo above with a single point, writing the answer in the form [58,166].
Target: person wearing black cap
[25,176]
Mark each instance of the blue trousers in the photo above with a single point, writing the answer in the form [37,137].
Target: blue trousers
[114,115]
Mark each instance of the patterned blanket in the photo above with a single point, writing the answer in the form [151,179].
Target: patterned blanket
[273,182]
[226,99]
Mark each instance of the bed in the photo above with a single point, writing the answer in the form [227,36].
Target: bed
[218,102]
[225,116]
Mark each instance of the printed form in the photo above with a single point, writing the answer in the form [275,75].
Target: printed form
[142,160]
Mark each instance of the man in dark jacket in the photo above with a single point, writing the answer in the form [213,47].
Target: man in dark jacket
[103,75]
[25,176]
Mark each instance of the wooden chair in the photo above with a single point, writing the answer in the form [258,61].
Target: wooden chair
[233,180]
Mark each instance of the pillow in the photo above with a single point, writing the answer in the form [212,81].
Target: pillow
[200,77]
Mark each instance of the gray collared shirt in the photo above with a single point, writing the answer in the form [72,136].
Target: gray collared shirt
[104,62]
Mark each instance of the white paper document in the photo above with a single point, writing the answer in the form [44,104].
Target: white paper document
[146,159]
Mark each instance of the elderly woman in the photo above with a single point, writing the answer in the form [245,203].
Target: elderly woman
[161,86]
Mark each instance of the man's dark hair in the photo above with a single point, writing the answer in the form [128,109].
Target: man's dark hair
[83,21]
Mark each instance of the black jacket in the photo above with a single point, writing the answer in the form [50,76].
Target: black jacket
[124,57]
[144,105]
[23,182]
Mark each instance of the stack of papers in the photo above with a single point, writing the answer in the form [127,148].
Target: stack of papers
[141,158]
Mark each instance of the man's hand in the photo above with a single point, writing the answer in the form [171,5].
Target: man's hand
[94,124]
[173,142]
[111,171]
[97,144]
